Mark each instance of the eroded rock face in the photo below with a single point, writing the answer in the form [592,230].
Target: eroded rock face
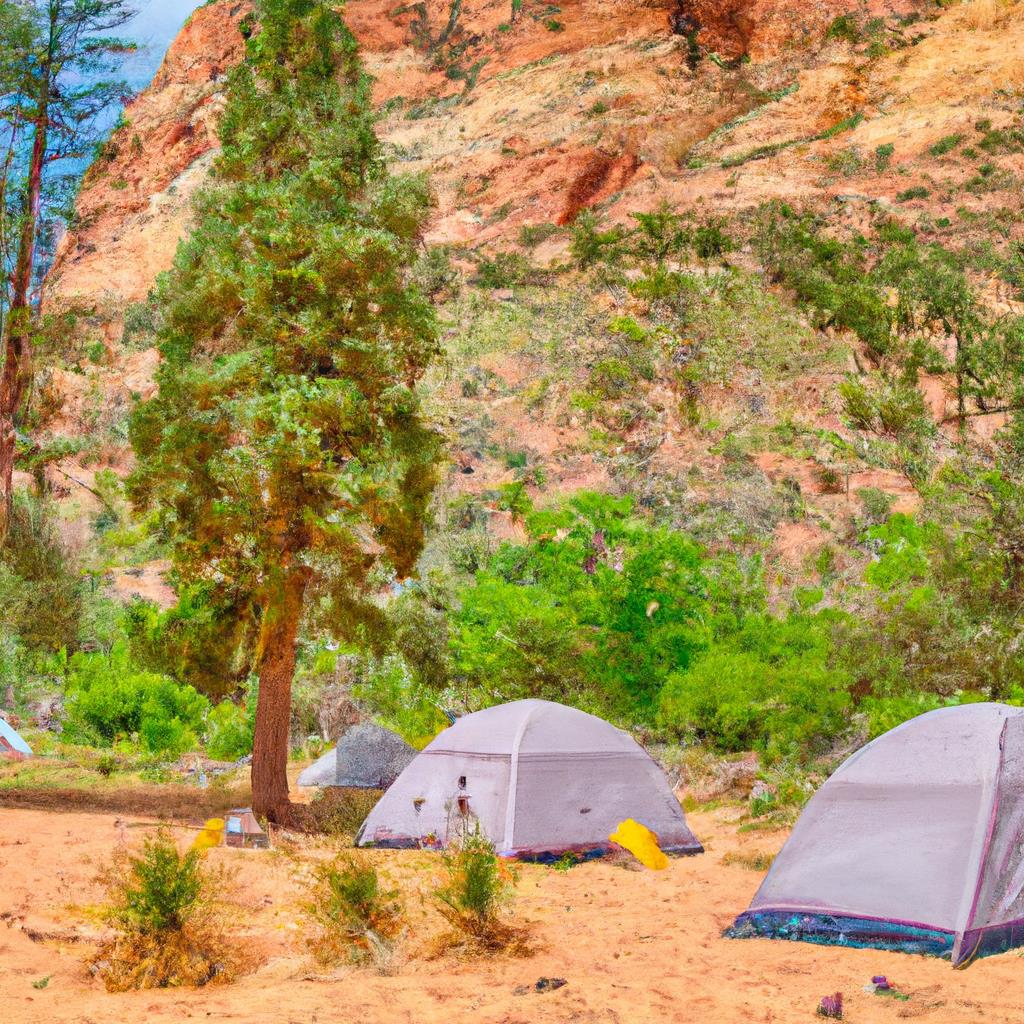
[134,202]
[761,29]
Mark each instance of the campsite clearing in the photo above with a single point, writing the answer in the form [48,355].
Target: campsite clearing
[635,946]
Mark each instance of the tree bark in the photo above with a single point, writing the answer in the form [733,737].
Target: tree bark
[278,632]
[17,368]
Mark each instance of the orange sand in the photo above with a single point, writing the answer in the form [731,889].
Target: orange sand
[635,946]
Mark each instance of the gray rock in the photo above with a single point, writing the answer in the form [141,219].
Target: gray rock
[366,757]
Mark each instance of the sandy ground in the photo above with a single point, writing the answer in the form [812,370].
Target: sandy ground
[633,945]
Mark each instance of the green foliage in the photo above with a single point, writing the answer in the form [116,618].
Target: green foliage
[710,239]
[203,640]
[945,145]
[340,813]
[109,700]
[597,608]
[770,687]
[230,728]
[827,274]
[505,270]
[41,596]
[286,454]
[393,686]
[476,889]
[163,906]
[845,27]
[948,599]
[434,273]
[892,407]
[590,245]
[659,235]
[531,235]
[160,889]
[356,918]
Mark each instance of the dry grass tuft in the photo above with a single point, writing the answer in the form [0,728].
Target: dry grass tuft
[356,919]
[167,912]
[753,861]
[983,15]
[339,813]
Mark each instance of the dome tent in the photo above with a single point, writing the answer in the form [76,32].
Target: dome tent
[367,756]
[11,744]
[539,778]
[913,844]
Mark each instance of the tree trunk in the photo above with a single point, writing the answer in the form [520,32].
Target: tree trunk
[17,342]
[278,634]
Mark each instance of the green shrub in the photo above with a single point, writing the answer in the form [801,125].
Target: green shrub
[340,813]
[885,406]
[710,239]
[659,235]
[771,688]
[41,594]
[434,272]
[828,274]
[230,727]
[108,699]
[877,504]
[505,270]
[202,640]
[477,887]
[845,27]
[915,192]
[355,917]
[531,235]
[945,145]
[160,890]
[164,908]
[590,245]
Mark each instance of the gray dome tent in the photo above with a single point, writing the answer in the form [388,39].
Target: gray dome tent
[366,757]
[913,844]
[539,778]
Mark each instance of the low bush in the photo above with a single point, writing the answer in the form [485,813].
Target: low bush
[477,888]
[339,812]
[108,699]
[165,909]
[506,270]
[356,919]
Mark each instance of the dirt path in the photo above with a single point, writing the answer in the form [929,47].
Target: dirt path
[634,946]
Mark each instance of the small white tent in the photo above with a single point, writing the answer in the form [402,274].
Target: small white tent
[539,778]
[11,742]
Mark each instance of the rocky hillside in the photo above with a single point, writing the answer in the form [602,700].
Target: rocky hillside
[524,115]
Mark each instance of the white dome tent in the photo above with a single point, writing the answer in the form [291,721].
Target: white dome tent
[540,779]
[916,843]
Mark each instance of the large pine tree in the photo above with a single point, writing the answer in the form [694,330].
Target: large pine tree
[285,450]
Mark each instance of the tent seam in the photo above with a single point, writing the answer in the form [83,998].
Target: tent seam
[965,925]
[513,778]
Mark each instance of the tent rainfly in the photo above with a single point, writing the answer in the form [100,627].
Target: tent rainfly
[540,779]
[11,744]
[366,757]
[914,844]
